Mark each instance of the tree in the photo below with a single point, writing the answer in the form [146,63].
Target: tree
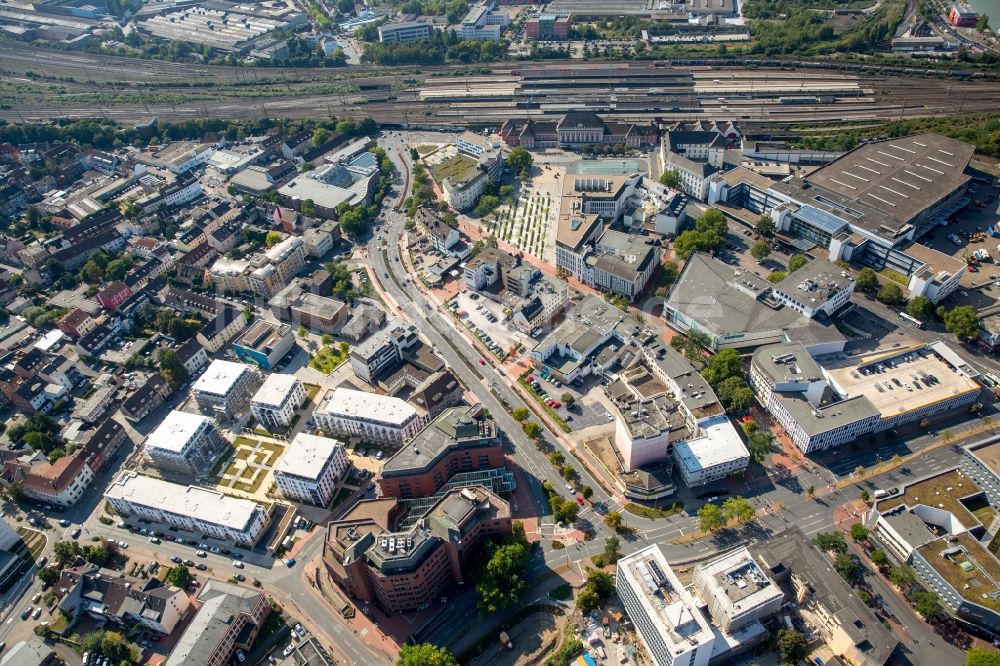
[520,414]
[847,567]
[902,576]
[890,293]
[587,492]
[982,22]
[532,430]
[867,281]
[425,654]
[796,261]
[272,239]
[735,394]
[962,322]
[171,368]
[811,492]
[519,159]
[567,399]
[738,509]
[557,458]
[565,510]
[928,605]
[65,552]
[760,250]
[320,136]
[487,204]
[774,277]
[920,307]
[308,208]
[49,575]
[503,580]
[978,656]
[765,226]
[711,518]
[831,542]
[722,366]
[111,645]
[612,549]
[670,178]
[859,532]
[760,445]
[568,472]
[327,339]
[179,576]
[865,496]
[303,332]
[792,646]
[879,558]
[614,520]
[587,600]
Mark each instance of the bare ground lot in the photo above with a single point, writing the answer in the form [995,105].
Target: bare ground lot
[533,638]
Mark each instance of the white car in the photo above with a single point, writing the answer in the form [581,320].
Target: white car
[201,553]
[299,630]
[238,564]
[288,649]
[123,544]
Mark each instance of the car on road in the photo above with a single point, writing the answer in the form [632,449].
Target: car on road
[120,523]
[290,562]
[64,522]
[569,487]
[154,540]
[75,533]
[123,544]
[238,564]
[240,577]
[175,559]
[482,362]
[201,553]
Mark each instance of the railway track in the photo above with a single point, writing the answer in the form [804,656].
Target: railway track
[128,90]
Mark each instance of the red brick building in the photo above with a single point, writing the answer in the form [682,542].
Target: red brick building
[114,295]
[375,562]
[459,440]
[962,16]
[548,26]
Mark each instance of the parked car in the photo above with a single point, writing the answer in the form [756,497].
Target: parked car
[201,566]
[175,559]
[240,577]
[299,630]
[201,553]
[238,564]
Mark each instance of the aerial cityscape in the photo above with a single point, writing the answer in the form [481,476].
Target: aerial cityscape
[499,333]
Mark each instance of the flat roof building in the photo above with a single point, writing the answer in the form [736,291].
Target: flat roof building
[185,443]
[459,440]
[225,387]
[264,344]
[241,521]
[736,590]
[349,413]
[275,402]
[376,562]
[665,615]
[824,404]
[310,468]
[739,309]
[229,618]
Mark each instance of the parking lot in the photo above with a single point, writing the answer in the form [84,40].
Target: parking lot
[487,316]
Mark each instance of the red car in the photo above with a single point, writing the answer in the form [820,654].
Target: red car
[579,500]
[529,379]
[556,404]
[482,362]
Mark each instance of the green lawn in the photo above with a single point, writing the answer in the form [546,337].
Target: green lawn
[245,441]
[275,449]
[311,391]
[327,360]
[652,512]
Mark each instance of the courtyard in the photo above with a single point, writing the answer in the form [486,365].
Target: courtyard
[249,465]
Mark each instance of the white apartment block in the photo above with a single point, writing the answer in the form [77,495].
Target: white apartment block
[736,590]
[185,443]
[310,468]
[275,402]
[666,616]
[191,508]
[367,416]
[225,387]
[383,349]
